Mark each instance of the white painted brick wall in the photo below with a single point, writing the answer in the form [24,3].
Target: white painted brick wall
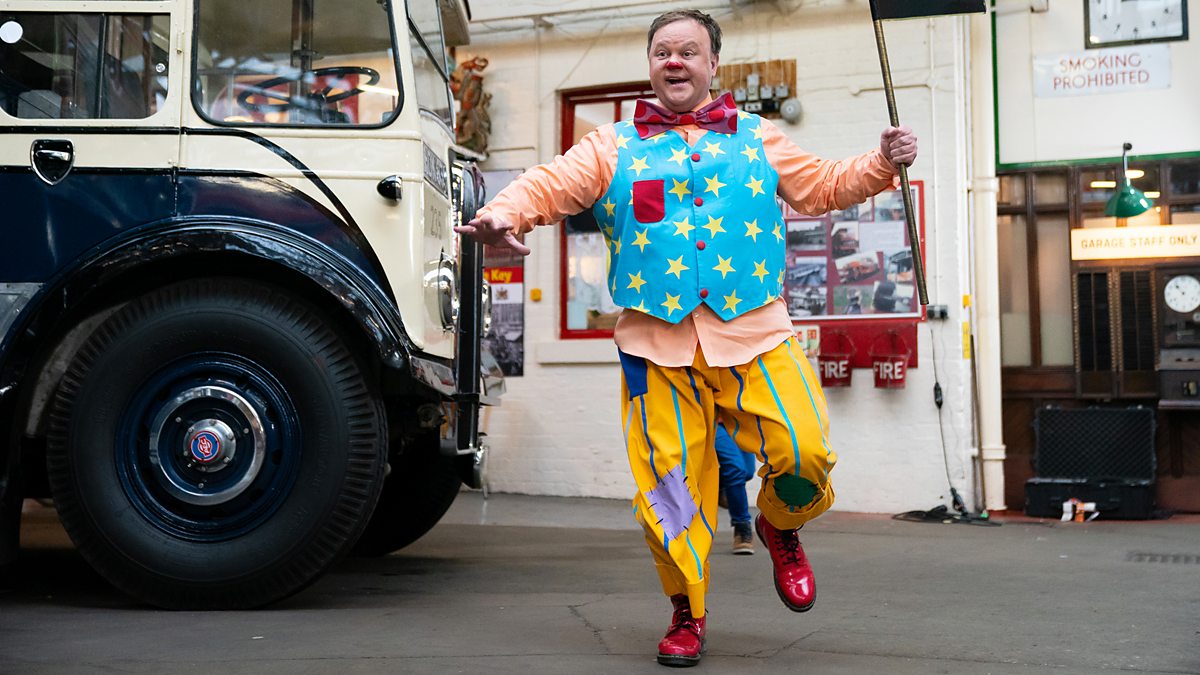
[558,430]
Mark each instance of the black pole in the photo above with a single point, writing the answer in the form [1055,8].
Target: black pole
[894,116]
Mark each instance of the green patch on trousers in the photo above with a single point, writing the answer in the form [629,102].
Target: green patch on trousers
[794,490]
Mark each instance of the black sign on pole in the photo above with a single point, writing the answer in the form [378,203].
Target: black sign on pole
[907,9]
[882,10]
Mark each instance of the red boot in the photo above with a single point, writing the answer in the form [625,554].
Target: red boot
[684,641]
[793,576]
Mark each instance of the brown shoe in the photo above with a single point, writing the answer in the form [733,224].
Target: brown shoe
[743,539]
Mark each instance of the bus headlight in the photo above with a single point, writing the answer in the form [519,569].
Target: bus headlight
[441,292]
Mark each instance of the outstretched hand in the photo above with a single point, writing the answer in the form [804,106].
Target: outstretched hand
[493,232]
[898,145]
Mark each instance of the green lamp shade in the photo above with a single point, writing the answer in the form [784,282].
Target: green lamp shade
[1127,202]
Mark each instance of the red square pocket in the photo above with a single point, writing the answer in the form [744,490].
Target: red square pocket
[648,198]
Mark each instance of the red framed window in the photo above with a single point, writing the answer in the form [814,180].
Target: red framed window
[586,309]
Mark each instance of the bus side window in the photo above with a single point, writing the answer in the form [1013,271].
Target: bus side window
[429,58]
[83,66]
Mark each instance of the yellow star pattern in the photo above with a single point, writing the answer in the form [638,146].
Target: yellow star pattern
[714,185]
[608,231]
[743,115]
[731,302]
[678,155]
[780,276]
[609,206]
[641,307]
[636,281]
[713,149]
[755,186]
[641,241]
[753,230]
[622,141]
[617,246]
[769,299]
[639,165]
[680,189]
[778,234]
[683,227]
[750,153]
[677,266]
[758,132]
[760,271]
[714,226]
[724,266]
[672,303]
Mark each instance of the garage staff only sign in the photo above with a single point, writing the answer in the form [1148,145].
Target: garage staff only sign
[1117,243]
[1102,71]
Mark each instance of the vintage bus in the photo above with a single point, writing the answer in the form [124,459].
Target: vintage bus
[238,335]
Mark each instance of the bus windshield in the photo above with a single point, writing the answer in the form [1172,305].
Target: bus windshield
[296,62]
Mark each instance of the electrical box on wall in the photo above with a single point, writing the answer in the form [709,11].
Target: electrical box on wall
[760,87]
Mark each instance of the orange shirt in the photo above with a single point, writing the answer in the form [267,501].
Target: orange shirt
[576,180]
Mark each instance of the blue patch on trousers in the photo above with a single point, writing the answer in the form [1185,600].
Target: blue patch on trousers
[634,368]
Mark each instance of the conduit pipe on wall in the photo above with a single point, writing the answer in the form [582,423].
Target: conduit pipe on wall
[986,297]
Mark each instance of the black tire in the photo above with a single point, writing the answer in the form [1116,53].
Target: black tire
[416,494]
[284,430]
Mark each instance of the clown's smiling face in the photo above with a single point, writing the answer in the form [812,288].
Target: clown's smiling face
[682,65]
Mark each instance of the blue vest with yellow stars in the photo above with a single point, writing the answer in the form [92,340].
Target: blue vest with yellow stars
[688,225]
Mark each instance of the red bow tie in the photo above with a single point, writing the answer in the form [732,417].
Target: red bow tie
[720,115]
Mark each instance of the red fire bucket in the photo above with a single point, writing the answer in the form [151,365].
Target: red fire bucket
[889,359]
[834,359]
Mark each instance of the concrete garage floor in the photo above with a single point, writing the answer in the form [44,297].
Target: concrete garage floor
[547,585]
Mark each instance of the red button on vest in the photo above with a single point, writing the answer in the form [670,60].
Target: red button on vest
[700,245]
[695,157]
[704,292]
[699,201]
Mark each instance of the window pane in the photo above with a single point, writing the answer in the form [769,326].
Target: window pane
[83,66]
[333,65]
[1185,214]
[426,16]
[1050,188]
[1015,349]
[1185,179]
[588,116]
[1012,190]
[589,301]
[1054,290]
[135,66]
[1097,186]
[433,92]
[429,61]
[1144,178]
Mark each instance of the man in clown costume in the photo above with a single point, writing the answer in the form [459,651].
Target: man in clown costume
[685,194]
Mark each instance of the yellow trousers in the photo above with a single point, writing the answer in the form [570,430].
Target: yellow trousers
[773,407]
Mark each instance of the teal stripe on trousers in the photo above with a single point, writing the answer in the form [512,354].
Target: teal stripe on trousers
[782,411]
[812,401]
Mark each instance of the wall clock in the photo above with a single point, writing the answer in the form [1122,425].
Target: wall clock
[1110,23]
[1182,293]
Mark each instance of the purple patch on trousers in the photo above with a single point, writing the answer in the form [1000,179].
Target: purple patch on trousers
[672,503]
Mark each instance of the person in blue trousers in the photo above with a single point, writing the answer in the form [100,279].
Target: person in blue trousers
[737,468]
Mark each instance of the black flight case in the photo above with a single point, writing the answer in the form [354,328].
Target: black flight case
[1101,455]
